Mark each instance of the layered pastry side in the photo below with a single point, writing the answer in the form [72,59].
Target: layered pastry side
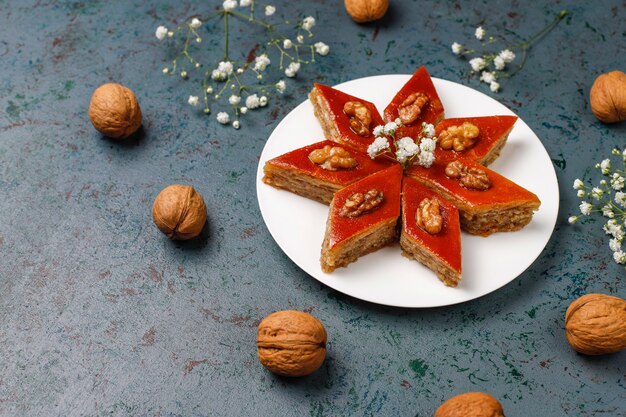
[487,201]
[477,138]
[362,218]
[317,171]
[345,119]
[416,102]
[431,232]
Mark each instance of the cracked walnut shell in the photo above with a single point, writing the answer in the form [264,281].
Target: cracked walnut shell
[114,111]
[595,324]
[291,343]
[179,212]
[471,404]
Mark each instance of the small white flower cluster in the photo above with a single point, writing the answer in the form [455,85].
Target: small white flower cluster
[407,149]
[228,78]
[611,206]
[490,65]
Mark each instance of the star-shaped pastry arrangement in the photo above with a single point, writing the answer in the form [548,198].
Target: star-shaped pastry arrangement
[375,202]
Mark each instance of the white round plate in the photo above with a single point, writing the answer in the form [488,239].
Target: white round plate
[386,277]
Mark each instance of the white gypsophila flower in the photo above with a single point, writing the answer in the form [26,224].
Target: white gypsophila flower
[581,193]
[234,99]
[585,208]
[308,23]
[161,32]
[624,155]
[240,70]
[209,90]
[377,146]
[620,257]
[620,198]
[378,130]
[426,159]
[428,129]
[193,100]
[477,63]
[226,67]
[269,10]
[218,75]
[605,166]
[427,145]
[262,101]
[499,63]
[287,43]
[321,48]
[195,23]
[300,38]
[572,219]
[615,245]
[243,110]
[617,182]
[252,101]
[494,86]
[507,55]
[292,69]
[614,229]
[407,147]
[245,3]
[390,127]
[578,184]
[456,48]
[229,5]
[597,193]
[261,62]
[607,211]
[488,77]
[398,121]
[280,86]
[236,124]
[223,117]
[480,33]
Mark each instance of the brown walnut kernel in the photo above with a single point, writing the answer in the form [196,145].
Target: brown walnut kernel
[460,137]
[360,117]
[291,343]
[471,404]
[179,212]
[470,178]
[411,108]
[428,216]
[332,158]
[359,203]
[114,111]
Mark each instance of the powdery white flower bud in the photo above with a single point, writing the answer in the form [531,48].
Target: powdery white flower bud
[494,86]
[223,118]
[480,33]
[456,48]
[195,23]
[193,100]
[308,23]
[321,48]
[477,63]
[287,43]
[161,32]
[270,10]
[229,5]
[280,86]
[234,99]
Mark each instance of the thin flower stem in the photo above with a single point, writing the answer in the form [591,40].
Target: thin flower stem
[534,38]
[226,35]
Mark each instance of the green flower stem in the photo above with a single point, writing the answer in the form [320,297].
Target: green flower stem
[226,13]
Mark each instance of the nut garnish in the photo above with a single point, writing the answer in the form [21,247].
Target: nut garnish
[411,108]
[332,158]
[428,216]
[360,117]
[470,178]
[359,203]
[459,138]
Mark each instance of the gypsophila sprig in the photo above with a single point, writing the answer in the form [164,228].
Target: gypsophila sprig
[407,150]
[608,198]
[491,60]
[248,83]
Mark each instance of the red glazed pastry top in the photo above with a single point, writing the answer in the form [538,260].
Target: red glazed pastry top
[299,160]
[491,129]
[387,181]
[501,192]
[446,244]
[431,112]
[336,101]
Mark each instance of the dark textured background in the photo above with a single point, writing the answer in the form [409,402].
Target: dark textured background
[101,315]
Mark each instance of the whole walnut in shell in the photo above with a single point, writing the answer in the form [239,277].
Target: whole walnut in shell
[471,404]
[595,324]
[363,11]
[291,343]
[179,212]
[114,111]
[608,97]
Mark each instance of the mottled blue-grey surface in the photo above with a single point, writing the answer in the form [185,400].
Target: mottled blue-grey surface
[101,315]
